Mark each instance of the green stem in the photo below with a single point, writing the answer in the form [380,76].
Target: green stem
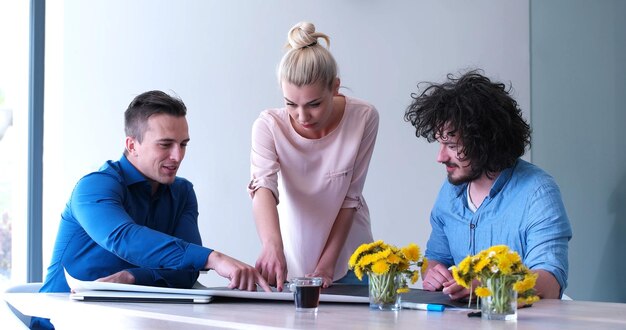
[383,288]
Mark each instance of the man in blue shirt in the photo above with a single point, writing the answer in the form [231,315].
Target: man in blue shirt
[492,196]
[134,221]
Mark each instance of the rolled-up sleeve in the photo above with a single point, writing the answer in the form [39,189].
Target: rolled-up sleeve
[264,165]
[362,161]
[548,233]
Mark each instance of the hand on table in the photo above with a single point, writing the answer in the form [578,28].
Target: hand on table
[124,277]
[455,291]
[436,277]
[440,278]
[241,275]
[326,275]
[272,266]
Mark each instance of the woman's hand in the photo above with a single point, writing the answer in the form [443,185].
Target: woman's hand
[325,274]
[272,265]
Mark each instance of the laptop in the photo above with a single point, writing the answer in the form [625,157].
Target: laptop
[140,297]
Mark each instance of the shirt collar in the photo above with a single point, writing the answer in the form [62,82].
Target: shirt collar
[502,179]
[130,173]
[500,182]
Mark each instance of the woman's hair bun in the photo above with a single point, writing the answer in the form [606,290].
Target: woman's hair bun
[303,35]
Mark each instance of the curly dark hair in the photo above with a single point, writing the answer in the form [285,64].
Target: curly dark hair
[480,112]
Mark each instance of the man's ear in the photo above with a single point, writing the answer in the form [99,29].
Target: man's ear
[130,146]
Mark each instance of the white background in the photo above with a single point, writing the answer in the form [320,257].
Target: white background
[220,58]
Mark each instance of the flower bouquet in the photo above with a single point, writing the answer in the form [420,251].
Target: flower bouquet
[504,281]
[388,271]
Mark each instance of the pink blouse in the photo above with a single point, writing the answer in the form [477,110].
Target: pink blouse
[317,178]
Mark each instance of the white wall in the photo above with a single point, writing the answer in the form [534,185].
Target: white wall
[220,58]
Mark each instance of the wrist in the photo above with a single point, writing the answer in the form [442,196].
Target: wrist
[274,245]
[212,260]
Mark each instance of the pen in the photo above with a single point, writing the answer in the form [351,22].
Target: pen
[423,307]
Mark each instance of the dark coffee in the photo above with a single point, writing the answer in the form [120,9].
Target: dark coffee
[307,296]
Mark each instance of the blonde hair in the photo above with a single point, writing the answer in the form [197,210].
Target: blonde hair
[307,61]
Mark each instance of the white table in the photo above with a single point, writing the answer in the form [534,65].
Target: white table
[246,314]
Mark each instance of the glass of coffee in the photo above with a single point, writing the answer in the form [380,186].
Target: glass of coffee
[306,293]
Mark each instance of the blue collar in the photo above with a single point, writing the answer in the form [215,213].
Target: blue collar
[130,172]
[497,186]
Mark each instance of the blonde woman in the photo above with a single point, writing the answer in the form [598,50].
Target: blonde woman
[316,151]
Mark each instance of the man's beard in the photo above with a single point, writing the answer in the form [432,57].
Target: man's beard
[471,176]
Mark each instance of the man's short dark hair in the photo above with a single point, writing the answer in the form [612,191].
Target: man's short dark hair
[481,113]
[147,104]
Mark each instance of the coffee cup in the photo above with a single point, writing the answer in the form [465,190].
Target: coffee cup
[306,293]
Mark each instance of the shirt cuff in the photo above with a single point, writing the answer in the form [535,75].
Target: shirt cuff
[195,257]
[143,276]
[352,203]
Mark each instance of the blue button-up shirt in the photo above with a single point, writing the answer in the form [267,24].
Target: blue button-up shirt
[523,210]
[112,222]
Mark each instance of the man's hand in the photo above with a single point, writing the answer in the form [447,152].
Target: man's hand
[455,291]
[124,277]
[241,275]
[436,276]
[272,266]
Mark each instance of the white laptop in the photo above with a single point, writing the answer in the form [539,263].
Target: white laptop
[140,297]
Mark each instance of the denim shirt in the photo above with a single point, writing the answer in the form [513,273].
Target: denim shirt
[523,210]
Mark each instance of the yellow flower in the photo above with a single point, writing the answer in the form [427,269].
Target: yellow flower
[380,267]
[359,273]
[403,265]
[415,276]
[403,290]
[527,283]
[411,252]
[424,265]
[527,301]
[482,292]
[464,266]
[457,277]
[380,258]
[504,264]
[498,249]
[514,257]
[393,259]
[481,264]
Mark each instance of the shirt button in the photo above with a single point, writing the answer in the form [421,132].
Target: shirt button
[472,226]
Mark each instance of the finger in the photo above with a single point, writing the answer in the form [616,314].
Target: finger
[261,281]
[243,281]
[428,286]
[234,281]
[452,288]
[459,295]
[444,272]
[436,274]
[280,279]
[433,282]
[251,280]
[432,285]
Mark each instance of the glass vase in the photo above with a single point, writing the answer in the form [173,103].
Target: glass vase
[502,304]
[383,291]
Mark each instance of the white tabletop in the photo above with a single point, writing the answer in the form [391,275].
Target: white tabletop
[246,314]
